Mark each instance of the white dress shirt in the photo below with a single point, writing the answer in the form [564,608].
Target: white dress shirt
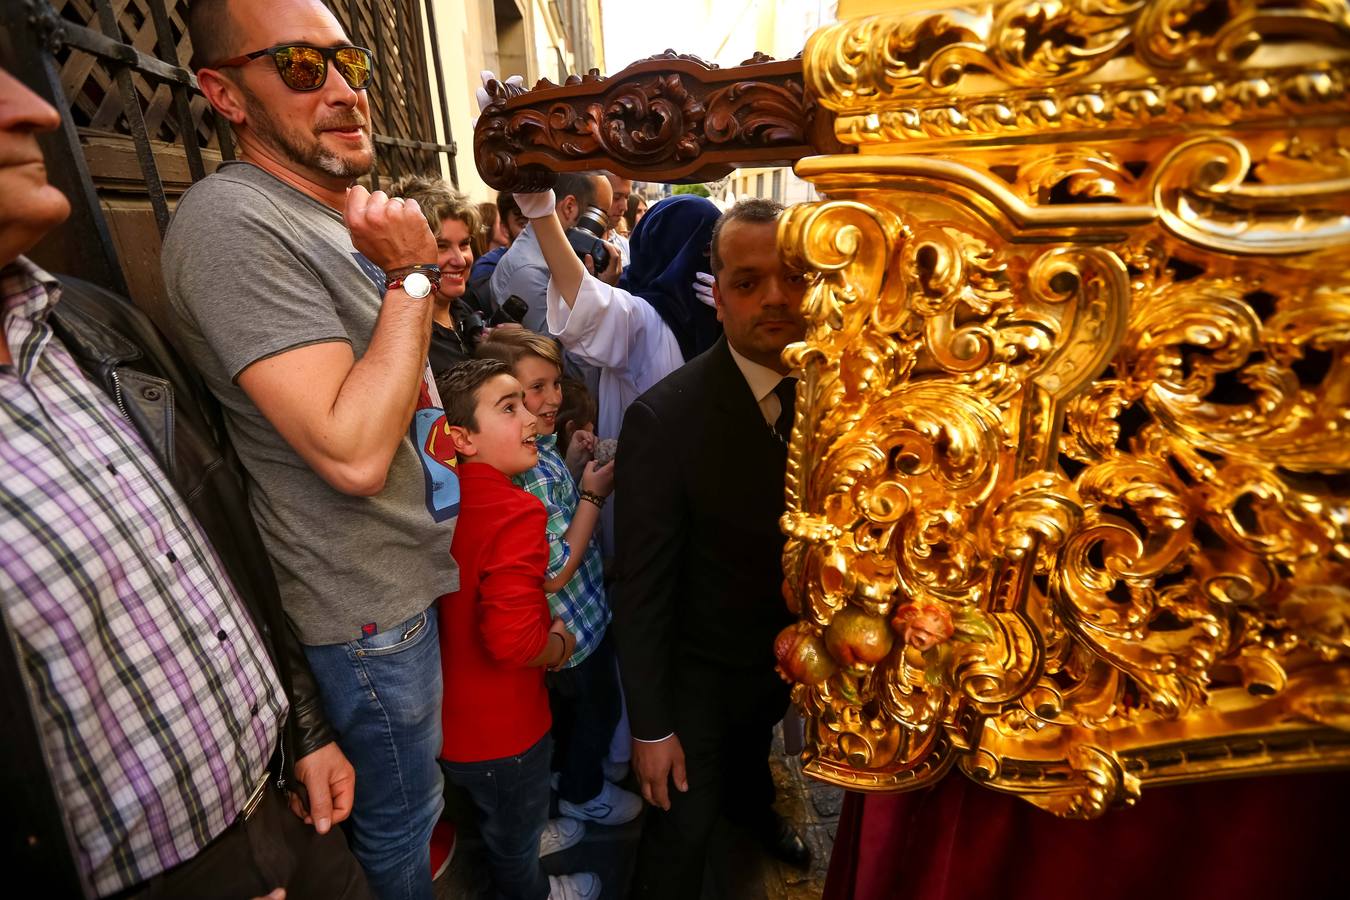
[762,381]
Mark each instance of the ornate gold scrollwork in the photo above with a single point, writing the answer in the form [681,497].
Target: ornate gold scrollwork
[1069,488]
[1069,493]
[1007,67]
[1201,197]
[924,340]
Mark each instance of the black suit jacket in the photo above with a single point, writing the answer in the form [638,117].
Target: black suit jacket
[698,495]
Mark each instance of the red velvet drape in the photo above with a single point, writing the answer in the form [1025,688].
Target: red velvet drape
[1275,838]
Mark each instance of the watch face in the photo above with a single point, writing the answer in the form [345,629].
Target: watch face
[417,285]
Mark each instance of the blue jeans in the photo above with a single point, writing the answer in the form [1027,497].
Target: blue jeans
[584,700]
[511,795]
[382,695]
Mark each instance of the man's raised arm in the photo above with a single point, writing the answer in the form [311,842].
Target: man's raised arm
[344,416]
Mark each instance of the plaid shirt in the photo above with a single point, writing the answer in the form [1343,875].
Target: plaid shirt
[155,701]
[581,603]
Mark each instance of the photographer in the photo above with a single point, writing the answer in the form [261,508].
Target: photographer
[455,325]
[524,269]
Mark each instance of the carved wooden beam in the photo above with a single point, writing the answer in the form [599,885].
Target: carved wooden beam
[671,118]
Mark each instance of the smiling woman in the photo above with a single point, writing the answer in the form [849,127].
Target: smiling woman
[454,221]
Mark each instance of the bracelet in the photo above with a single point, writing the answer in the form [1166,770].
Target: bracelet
[594,498]
[431,270]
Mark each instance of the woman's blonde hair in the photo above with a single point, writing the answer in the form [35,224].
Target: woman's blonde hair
[440,202]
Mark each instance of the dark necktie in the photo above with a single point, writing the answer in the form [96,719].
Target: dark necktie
[787,397]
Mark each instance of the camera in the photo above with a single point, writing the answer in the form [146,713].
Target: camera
[585,237]
[512,311]
[469,323]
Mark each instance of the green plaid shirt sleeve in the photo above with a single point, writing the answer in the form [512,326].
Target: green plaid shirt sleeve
[581,603]
[559,517]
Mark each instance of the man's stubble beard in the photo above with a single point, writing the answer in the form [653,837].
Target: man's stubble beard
[315,156]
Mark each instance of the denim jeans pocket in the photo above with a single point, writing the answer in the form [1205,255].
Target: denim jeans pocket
[477,780]
[397,639]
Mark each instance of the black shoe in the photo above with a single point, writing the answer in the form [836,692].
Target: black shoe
[782,842]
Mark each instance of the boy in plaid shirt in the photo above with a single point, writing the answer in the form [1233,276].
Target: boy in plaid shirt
[584,694]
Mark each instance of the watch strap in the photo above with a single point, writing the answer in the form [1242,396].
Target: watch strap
[435,279]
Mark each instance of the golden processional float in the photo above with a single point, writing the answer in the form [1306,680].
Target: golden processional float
[1068,500]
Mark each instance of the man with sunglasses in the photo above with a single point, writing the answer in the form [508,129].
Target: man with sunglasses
[306,303]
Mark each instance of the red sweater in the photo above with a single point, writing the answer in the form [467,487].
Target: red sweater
[495,706]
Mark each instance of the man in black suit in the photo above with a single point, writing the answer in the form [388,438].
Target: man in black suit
[698,601]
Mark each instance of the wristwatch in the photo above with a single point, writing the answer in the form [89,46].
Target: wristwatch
[415,284]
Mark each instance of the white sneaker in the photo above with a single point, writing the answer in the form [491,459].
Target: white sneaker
[612,806]
[559,834]
[580,886]
[615,771]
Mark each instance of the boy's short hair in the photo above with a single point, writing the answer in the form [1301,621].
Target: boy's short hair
[438,201]
[459,386]
[510,344]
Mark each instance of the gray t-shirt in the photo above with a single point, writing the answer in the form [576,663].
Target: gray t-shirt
[254,268]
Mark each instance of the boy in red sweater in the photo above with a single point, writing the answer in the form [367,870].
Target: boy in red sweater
[496,634]
[584,695]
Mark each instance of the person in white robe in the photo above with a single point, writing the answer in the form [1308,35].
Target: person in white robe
[659,316]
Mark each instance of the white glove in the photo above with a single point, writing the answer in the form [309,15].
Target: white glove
[532,206]
[481,92]
[536,206]
[703,283]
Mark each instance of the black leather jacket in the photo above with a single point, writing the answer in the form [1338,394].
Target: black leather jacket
[120,350]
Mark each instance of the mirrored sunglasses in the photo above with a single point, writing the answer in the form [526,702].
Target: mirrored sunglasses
[304,67]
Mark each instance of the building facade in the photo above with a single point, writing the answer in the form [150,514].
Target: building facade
[780,29]
[533,38]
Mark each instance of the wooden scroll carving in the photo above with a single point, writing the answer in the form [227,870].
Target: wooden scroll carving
[672,118]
